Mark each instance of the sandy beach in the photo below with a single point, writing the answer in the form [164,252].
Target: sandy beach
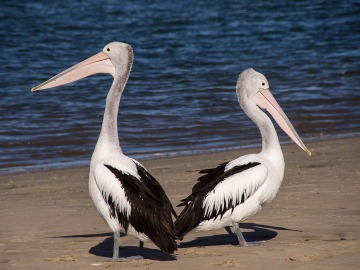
[48,220]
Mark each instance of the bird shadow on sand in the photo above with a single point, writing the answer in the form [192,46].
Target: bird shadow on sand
[105,248]
[87,235]
[251,232]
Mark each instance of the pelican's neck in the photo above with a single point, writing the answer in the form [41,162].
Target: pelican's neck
[270,141]
[109,138]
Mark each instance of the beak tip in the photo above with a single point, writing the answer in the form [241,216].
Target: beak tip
[36,88]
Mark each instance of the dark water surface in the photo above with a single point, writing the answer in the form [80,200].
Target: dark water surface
[180,98]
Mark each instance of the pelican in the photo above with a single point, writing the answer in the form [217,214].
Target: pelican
[236,190]
[126,195]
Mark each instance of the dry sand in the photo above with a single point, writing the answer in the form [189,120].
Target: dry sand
[48,221]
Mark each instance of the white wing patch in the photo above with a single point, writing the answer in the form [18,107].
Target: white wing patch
[124,164]
[233,188]
[109,185]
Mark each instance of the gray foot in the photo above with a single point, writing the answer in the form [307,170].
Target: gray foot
[252,244]
[128,259]
[240,238]
[117,258]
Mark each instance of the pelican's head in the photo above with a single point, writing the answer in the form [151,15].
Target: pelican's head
[120,54]
[253,87]
[250,82]
[115,57]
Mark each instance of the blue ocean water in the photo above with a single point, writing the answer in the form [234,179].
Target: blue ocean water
[180,97]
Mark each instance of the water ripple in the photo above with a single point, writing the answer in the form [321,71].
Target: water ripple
[181,94]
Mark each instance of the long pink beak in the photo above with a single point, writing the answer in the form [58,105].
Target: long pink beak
[265,100]
[99,63]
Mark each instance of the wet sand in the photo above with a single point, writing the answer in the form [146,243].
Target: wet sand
[48,221]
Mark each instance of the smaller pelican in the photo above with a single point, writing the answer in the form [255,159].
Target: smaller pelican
[237,190]
[126,195]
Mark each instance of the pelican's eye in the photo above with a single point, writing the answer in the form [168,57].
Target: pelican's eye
[108,50]
[263,84]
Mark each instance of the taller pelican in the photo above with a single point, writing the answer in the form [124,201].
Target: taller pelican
[237,190]
[126,195]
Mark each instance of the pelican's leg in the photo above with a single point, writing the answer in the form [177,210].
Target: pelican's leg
[116,250]
[229,231]
[241,239]
[116,246]
[141,247]
[134,258]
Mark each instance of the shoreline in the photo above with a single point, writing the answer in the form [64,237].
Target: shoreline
[48,220]
[168,155]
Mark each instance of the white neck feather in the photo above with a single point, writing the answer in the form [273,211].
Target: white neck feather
[270,141]
[109,140]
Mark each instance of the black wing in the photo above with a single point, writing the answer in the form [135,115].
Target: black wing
[194,212]
[150,208]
